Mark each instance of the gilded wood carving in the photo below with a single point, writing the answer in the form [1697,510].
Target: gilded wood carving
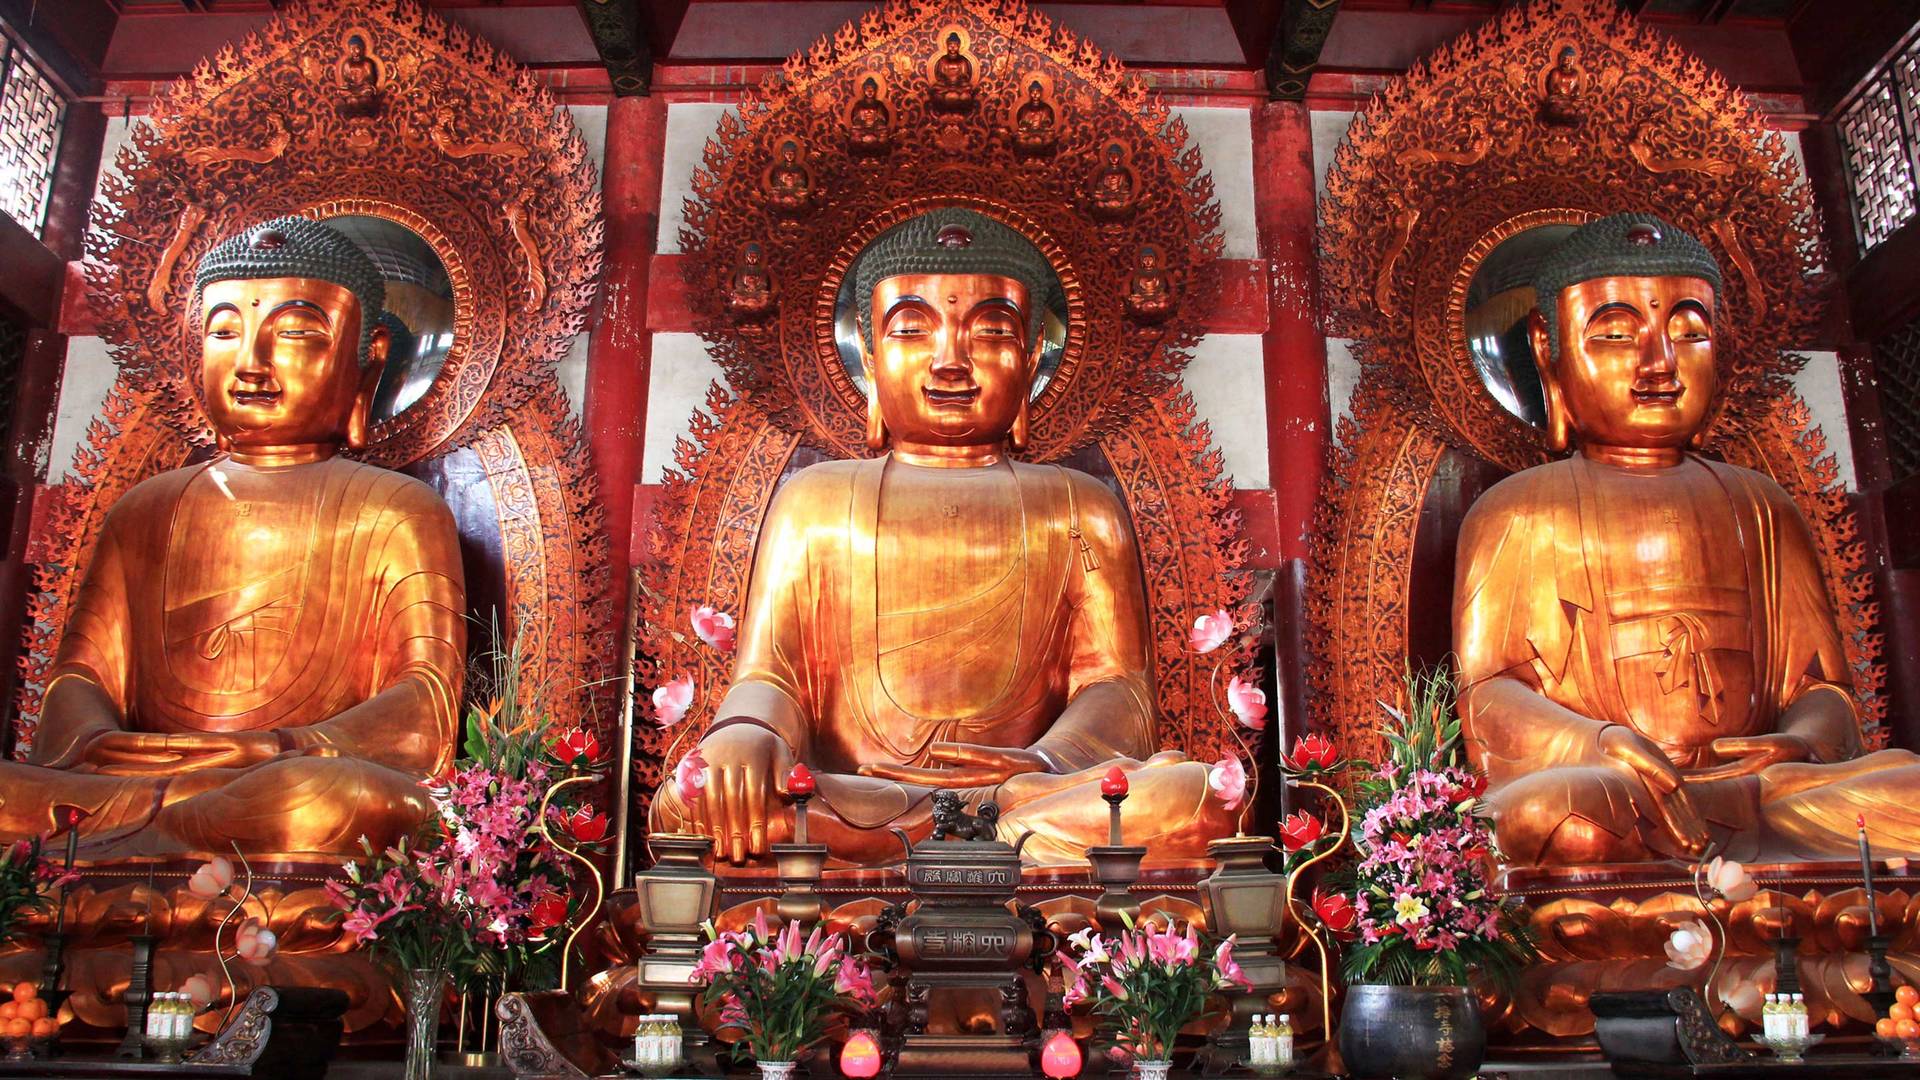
[1555,112]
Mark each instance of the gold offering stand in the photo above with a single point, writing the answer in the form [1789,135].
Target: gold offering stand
[962,932]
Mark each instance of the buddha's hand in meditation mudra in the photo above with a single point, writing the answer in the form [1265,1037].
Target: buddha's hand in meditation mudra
[1648,656]
[944,617]
[267,647]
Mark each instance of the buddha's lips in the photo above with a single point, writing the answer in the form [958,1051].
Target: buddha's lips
[936,396]
[1666,395]
[254,397]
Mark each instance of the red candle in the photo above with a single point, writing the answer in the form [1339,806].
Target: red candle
[800,781]
[1115,782]
[800,785]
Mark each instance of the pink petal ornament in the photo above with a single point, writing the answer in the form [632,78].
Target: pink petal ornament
[1248,702]
[254,943]
[690,777]
[1689,946]
[714,627]
[671,702]
[213,878]
[1228,779]
[1211,631]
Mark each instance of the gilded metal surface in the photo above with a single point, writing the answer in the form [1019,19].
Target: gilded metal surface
[360,90]
[268,648]
[1403,232]
[767,280]
[944,619]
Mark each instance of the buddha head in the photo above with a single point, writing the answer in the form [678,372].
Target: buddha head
[1623,335]
[291,340]
[950,328]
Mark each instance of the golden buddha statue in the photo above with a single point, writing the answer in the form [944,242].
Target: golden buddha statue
[944,617]
[1648,656]
[267,647]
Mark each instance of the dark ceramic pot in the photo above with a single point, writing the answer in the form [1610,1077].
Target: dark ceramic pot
[1412,1033]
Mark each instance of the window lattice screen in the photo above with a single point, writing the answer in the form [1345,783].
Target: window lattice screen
[1898,358]
[31,109]
[1879,131]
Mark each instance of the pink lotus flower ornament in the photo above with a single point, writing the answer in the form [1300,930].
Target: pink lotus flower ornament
[1228,779]
[690,777]
[671,702]
[714,627]
[1730,879]
[199,990]
[1689,946]
[254,943]
[1211,631]
[1248,702]
[213,879]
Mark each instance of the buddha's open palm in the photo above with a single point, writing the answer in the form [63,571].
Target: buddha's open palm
[746,765]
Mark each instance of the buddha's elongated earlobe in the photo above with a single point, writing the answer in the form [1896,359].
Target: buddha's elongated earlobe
[1559,426]
[876,424]
[1019,434]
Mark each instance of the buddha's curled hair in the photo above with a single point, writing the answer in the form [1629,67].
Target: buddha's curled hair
[954,240]
[296,247]
[1622,245]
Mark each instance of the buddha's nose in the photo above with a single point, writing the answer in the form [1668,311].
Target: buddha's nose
[1656,358]
[951,361]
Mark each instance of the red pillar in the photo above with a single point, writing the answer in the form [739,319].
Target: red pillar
[620,353]
[1294,350]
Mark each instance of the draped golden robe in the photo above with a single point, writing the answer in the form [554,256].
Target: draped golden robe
[894,606]
[322,602]
[1687,604]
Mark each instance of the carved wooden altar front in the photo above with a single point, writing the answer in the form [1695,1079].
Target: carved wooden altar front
[1555,113]
[368,112]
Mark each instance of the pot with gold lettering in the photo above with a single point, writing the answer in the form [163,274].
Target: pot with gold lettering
[964,936]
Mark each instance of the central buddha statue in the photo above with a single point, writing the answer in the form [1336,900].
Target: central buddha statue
[944,617]
[1648,657]
[267,647]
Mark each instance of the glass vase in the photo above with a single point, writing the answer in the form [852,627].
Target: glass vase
[426,990]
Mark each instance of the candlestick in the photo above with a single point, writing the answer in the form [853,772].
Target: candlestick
[1866,876]
[800,788]
[1113,788]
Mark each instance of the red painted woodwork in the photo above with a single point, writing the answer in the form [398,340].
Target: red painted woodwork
[620,352]
[1294,352]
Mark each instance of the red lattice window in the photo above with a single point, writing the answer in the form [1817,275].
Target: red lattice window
[31,109]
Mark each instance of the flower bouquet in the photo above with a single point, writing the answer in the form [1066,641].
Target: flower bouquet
[26,875]
[1424,914]
[1150,983]
[779,990]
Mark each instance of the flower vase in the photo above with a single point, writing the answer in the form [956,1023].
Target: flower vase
[776,1070]
[426,990]
[1152,1070]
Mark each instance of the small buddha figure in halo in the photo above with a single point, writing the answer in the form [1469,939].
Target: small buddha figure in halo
[750,295]
[267,648]
[789,182]
[1565,83]
[943,617]
[1649,660]
[1112,189]
[1149,300]
[869,123]
[953,90]
[1034,123]
[359,78]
